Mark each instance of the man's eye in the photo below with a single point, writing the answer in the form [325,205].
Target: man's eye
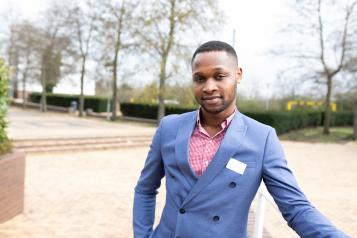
[219,76]
[199,79]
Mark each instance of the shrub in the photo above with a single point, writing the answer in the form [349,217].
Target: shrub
[149,110]
[286,121]
[342,119]
[96,103]
[141,110]
[5,145]
[282,121]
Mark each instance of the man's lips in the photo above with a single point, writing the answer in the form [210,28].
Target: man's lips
[211,99]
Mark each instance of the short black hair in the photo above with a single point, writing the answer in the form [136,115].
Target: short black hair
[215,46]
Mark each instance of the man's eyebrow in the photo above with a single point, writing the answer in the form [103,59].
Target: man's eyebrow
[218,68]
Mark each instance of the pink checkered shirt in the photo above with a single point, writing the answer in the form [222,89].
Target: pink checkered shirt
[203,147]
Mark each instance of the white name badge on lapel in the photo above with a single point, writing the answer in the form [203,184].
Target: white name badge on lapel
[236,166]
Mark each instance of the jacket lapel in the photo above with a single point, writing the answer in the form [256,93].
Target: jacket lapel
[229,146]
[182,147]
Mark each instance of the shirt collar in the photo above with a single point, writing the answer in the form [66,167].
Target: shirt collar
[224,124]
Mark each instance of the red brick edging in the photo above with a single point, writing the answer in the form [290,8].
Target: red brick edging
[12,179]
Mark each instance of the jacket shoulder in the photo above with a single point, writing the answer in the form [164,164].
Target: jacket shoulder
[256,126]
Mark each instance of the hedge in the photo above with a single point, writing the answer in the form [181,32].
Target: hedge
[5,145]
[96,103]
[341,118]
[149,110]
[282,121]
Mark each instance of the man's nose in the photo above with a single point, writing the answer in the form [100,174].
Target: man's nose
[210,86]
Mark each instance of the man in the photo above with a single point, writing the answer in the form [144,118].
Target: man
[214,160]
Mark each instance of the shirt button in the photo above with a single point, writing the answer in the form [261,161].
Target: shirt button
[232,185]
[182,210]
[216,218]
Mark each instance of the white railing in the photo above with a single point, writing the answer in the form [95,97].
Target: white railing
[262,196]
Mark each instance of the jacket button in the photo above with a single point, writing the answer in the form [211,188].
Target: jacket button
[182,210]
[216,218]
[232,185]
[172,176]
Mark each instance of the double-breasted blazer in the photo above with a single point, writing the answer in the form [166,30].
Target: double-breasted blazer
[216,204]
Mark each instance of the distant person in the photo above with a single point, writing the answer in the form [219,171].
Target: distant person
[214,160]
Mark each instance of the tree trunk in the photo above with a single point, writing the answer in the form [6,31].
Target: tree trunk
[43,96]
[15,89]
[161,106]
[327,118]
[115,102]
[81,97]
[49,88]
[165,54]
[114,89]
[24,99]
[355,122]
[24,91]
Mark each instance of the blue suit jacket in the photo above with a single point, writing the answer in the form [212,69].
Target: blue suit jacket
[217,203]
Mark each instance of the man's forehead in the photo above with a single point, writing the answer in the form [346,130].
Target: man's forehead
[214,69]
[211,58]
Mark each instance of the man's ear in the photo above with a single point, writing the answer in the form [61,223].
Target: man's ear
[239,74]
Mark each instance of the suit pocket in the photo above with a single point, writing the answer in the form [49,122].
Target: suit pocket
[240,177]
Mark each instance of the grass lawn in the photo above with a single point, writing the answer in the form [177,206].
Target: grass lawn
[337,135]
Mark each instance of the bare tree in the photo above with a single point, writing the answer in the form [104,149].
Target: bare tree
[117,25]
[38,50]
[81,26]
[166,26]
[53,44]
[35,53]
[23,52]
[13,59]
[323,44]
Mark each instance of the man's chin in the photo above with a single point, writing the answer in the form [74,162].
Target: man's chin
[213,110]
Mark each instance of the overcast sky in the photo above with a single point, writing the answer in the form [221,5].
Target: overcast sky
[255,22]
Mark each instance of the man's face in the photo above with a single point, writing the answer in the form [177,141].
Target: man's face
[215,76]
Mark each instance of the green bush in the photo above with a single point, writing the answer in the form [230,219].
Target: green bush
[149,110]
[96,103]
[341,119]
[282,121]
[5,145]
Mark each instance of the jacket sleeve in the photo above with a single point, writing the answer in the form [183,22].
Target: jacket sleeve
[301,216]
[146,189]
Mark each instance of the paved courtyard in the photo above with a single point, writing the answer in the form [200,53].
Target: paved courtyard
[89,194]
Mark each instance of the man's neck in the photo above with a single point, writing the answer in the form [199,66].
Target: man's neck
[215,120]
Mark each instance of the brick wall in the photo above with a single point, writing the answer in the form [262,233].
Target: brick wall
[12,174]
